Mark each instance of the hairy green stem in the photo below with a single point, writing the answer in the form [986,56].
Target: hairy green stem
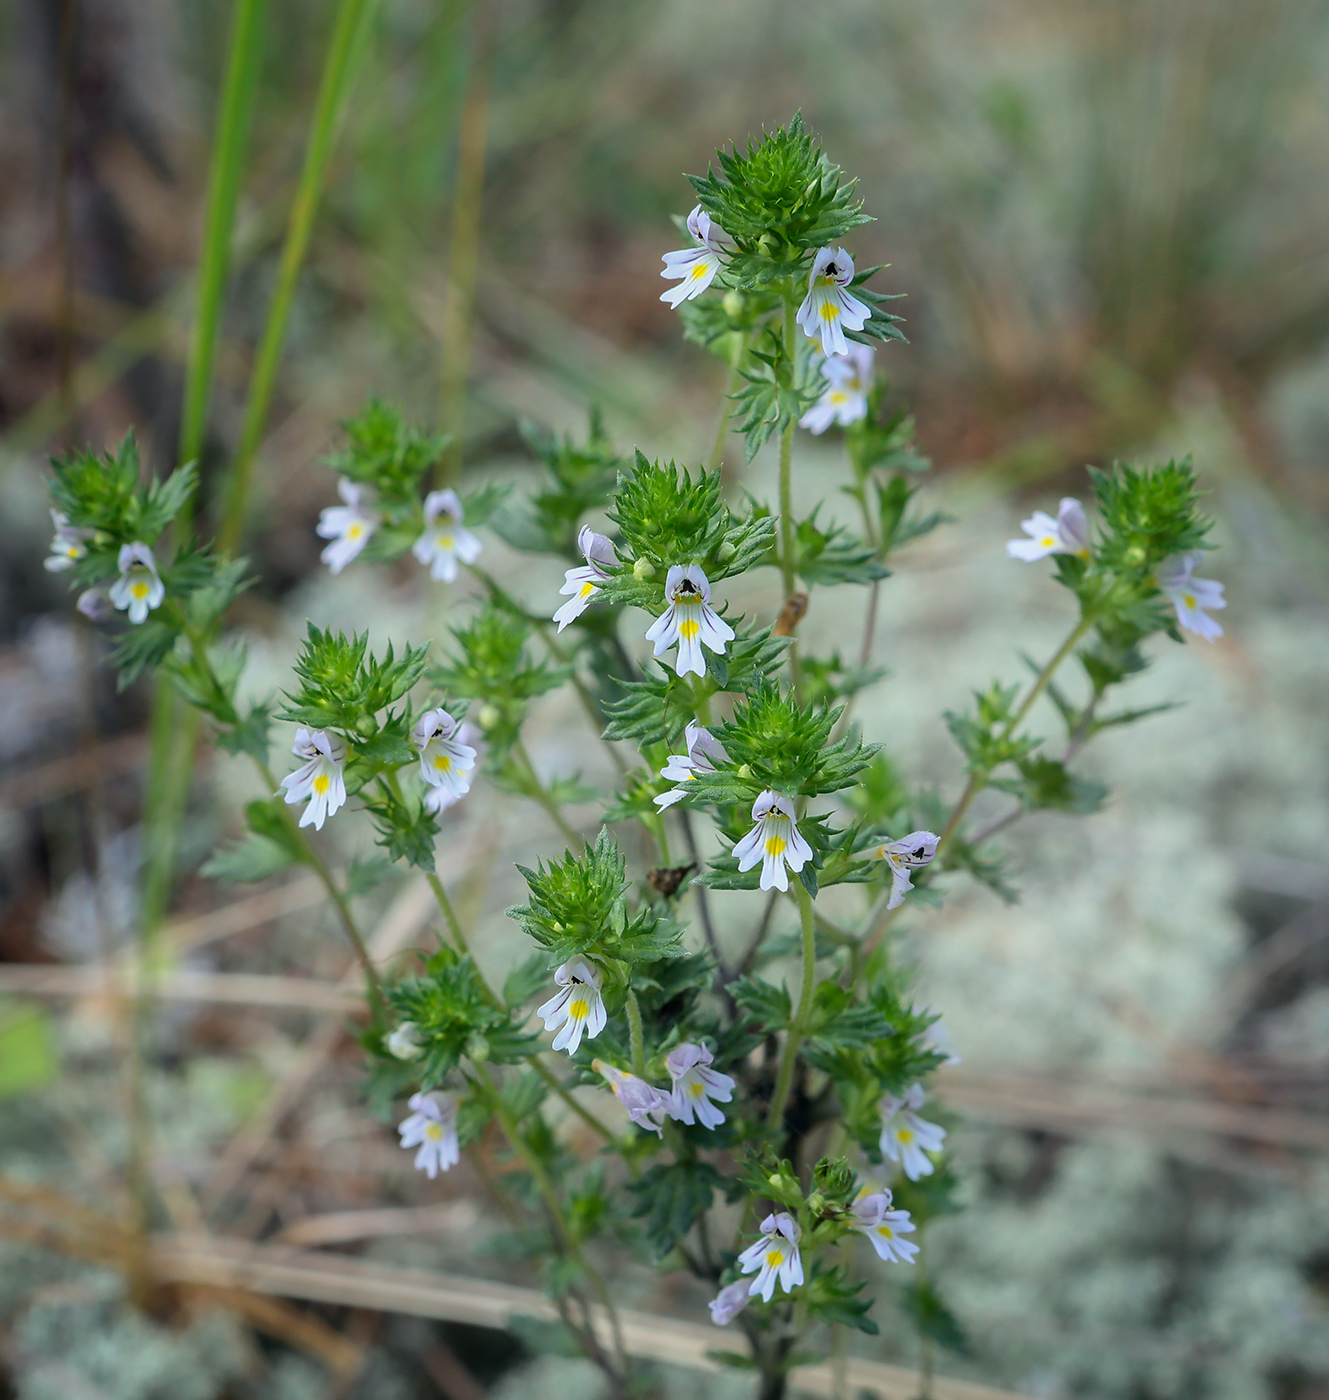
[636,1038]
[580,1109]
[802,1017]
[786,464]
[541,794]
[557,1215]
[716,459]
[348,30]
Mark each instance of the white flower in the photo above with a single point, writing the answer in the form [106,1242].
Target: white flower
[405,1042]
[432,1127]
[446,539]
[1067,534]
[774,1256]
[438,798]
[578,1008]
[696,266]
[696,1086]
[581,582]
[883,1226]
[67,547]
[95,604]
[910,852]
[848,378]
[645,1104]
[320,778]
[1191,596]
[445,762]
[829,307]
[704,752]
[139,588]
[775,841]
[729,1302]
[689,620]
[905,1137]
[349,527]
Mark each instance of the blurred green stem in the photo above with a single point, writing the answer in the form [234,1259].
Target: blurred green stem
[464,250]
[802,1017]
[536,789]
[636,1038]
[786,497]
[740,351]
[348,30]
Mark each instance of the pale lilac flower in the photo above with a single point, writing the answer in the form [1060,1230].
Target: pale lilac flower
[689,620]
[68,546]
[883,1226]
[445,540]
[348,526]
[645,1104]
[320,778]
[1191,596]
[775,841]
[729,1302]
[696,266]
[578,1008]
[829,306]
[910,852]
[95,604]
[432,1127]
[697,1087]
[705,751]
[905,1137]
[1067,534]
[774,1256]
[445,762]
[581,582]
[405,1043]
[439,797]
[139,588]
[848,378]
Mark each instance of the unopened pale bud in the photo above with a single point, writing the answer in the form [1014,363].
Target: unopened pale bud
[725,553]
[735,303]
[489,716]
[642,570]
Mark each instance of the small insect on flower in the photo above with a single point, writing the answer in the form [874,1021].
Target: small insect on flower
[883,1226]
[697,1087]
[406,1042]
[829,306]
[445,540]
[582,582]
[1067,534]
[705,753]
[1191,596]
[848,378]
[905,1137]
[689,620]
[645,1104]
[350,527]
[774,1256]
[139,588]
[445,762]
[578,1008]
[320,778]
[774,841]
[432,1127]
[696,266]
[68,546]
[910,852]
[729,1302]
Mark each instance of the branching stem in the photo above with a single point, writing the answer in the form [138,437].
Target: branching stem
[802,1017]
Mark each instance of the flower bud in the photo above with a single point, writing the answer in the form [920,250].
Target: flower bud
[745,771]
[489,716]
[642,570]
[477,1047]
[768,245]
[735,303]
[365,725]
[725,553]
[405,1043]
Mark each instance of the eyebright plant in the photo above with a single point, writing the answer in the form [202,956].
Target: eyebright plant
[754,1076]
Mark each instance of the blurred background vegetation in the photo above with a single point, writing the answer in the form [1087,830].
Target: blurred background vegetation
[1111,218]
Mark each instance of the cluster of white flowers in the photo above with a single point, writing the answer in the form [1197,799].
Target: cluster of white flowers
[848,380]
[67,547]
[905,1137]
[829,309]
[1193,598]
[444,545]
[447,762]
[696,1089]
[883,1226]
